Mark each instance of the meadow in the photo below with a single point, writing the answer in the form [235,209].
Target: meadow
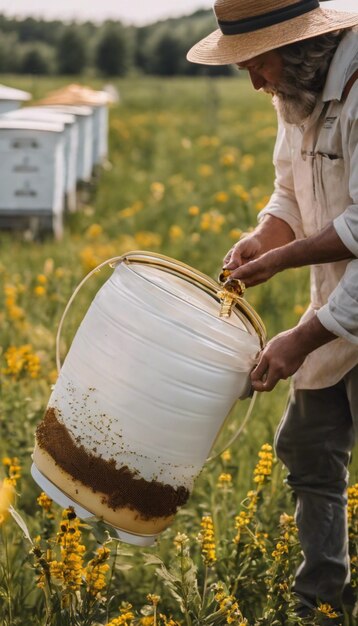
[189,168]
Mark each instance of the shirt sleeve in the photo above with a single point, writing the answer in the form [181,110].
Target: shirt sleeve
[346,224]
[340,314]
[283,203]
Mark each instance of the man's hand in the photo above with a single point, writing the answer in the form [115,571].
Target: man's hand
[286,352]
[325,247]
[246,249]
[279,359]
[258,270]
[271,233]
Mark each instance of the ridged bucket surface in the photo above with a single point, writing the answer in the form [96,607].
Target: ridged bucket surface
[147,383]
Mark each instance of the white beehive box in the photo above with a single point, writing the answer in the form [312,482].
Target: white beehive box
[71,144]
[11,99]
[32,162]
[101,143]
[84,117]
[98,101]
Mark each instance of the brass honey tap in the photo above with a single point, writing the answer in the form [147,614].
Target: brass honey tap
[232,290]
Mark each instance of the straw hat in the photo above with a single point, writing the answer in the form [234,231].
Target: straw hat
[248,28]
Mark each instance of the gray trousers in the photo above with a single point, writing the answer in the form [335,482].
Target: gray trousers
[314,440]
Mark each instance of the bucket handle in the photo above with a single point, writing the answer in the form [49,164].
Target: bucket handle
[113,262]
[238,432]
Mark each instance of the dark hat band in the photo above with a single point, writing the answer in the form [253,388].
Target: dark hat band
[250,24]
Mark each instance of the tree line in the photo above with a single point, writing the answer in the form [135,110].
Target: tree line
[35,46]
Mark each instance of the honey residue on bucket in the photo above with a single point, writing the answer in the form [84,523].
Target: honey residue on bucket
[121,487]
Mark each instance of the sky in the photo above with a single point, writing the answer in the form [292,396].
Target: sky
[136,12]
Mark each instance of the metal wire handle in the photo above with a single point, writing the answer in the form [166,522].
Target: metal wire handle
[238,432]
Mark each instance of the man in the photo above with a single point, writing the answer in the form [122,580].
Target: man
[307,58]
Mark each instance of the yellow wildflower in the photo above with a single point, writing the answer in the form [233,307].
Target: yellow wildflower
[205,170]
[260,541]
[13,469]
[68,571]
[94,231]
[221,197]
[238,190]
[262,203]
[94,254]
[157,190]
[224,481]
[193,210]
[153,599]
[327,611]
[10,292]
[46,504]
[41,279]
[245,517]
[287,535]
[20,360]
[263,468]
[13,311]
[147,239]
[212,221]
[131,210]
[353,504]
[353,530]
[169,621]
[206,538]
[226,456]
[7,494]
[298,309]
[228,159]
[229,606]
[176,232]
[247,162]
[180,540]
[39,290]
[125,619]
[235,233]
[95,573]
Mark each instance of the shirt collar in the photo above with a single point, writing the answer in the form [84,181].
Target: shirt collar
[343,65]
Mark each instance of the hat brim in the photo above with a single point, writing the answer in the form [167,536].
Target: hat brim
[219,49]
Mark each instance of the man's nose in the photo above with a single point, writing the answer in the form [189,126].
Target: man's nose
[256,80]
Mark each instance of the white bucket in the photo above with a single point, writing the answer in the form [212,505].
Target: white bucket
[148,381]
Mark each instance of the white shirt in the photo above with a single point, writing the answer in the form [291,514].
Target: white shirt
[316,183]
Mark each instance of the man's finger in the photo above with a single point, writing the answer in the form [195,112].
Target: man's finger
[260,386]
[268,381]
[260,370]
[227,258]
[272,379]
[248,273]
[233,261]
